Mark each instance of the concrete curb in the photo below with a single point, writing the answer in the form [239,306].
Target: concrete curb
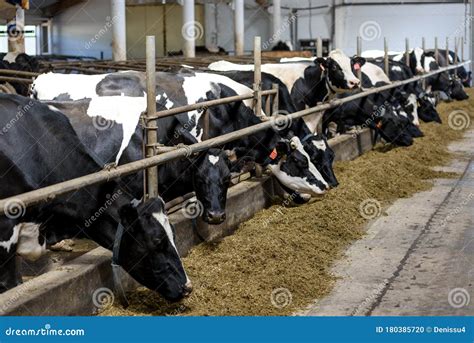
[72,288]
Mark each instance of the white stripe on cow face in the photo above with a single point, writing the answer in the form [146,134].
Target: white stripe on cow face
[345,63]
[412,100]
[418,53]
[165,223]
[26,237]
[299,184]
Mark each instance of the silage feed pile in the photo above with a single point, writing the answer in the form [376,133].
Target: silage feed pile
[280,261]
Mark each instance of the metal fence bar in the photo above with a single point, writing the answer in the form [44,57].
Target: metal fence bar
[204,104]
[151,127]
[385,56]
[436,49]
[257,85]
[50,192]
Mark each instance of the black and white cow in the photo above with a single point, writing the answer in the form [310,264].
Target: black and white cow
[309,82]
[38,148]
[315,145]
[172,89]
[20,62]
[399,71]
[107,121]
[455,89]
[462,73]
[382,111]
[420,62]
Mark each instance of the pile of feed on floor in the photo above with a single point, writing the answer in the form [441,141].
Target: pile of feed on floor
[294,248]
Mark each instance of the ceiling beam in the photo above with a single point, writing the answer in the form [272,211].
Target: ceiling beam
[60,6]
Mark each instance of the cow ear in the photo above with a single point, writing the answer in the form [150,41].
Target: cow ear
[322,62]
[429,53]
[128,214]
[358,60]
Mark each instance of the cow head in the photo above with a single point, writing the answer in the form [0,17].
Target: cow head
[427,110]
[456,90]
[292,166]
[148,251]
[322,156]
[338,70]
[391,128]
[211,181]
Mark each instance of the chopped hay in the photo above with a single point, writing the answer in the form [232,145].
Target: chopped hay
[295,248]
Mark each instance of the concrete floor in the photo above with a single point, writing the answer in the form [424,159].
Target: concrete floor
[418,259]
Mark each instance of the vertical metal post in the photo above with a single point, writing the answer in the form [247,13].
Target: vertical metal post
[359,52]
[423,43]
[407,51]
[447,51]
[205,129]
[276,18]
[319,47]
[151,129]
[190,30]
[257,85]
[16,41]
[462,49]
[455,59]
[119,34]
[239,26]
[276,99]
[436,49]
[385,56]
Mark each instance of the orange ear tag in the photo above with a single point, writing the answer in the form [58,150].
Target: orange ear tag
[273,154]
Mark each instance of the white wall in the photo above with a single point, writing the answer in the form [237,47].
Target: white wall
[397,22]
[83,30]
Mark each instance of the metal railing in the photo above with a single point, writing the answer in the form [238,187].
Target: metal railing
[50,192]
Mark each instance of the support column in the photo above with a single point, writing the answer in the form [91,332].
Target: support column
[189,29]
[276,19]
[119,30]
[16,32]
[239,26]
